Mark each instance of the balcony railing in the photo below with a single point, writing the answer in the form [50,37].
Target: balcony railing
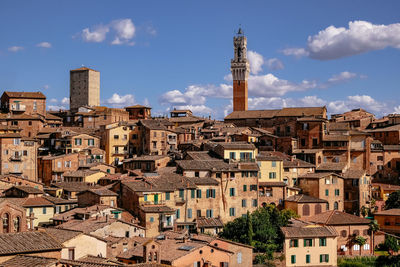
[166,224]
[16,158]
[15,107]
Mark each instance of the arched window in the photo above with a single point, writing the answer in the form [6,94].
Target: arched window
[343,233]
[150,256]
[335,205]
[6,223]
[356,232]
[155,256]
[17,224]
[318,209]
[306,210]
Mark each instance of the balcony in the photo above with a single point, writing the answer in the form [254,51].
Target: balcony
[17,107]
[167,225]
[16,158]
[15,172]
[180,201]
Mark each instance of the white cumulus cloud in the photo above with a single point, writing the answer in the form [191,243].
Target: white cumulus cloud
[123,30]
[337,42]
[65,101]
[120,101]
[44,45]
[275,64]
[256,61]
[97,35]
[270,85]
[297,52]
[15,48]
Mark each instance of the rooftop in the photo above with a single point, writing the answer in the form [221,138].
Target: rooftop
[391,212]
[24,242]
[309,231]
[305,199]
[335,217]
[33,95]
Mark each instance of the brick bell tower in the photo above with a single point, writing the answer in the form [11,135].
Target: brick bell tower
[240,72]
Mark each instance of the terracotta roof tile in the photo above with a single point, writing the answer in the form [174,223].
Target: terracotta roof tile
[62,235]
[305,199]
[37,202]
[28,189]
[335,217]
[24,242]
[203,222]
[203,180]
[29,261]
[100,192]
[332,166]
[83,68]
[252,114]
[395,212]
[302,112]
[157,209]
[308,231]
[35,95]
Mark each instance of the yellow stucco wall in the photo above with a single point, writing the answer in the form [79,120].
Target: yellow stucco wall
[266,167]
[237,153]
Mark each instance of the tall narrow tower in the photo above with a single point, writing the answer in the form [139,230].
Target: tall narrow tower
[84,88]
[240,72]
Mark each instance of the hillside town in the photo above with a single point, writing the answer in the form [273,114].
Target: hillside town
[101,186]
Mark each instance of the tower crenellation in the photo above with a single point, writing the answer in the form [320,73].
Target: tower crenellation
[240,69]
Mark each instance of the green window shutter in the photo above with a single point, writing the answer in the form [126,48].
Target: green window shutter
[244,188]
[320,258]
[189,213]
[305,243]
[327,257]
[293,259]
[213,193]
[167,196]
[192,193]
[308,258]
[296,243]
[326,192]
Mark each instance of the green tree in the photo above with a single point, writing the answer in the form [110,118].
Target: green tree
[250,233]
[393,202]
[360,240]
[391,244]
[373,228]
[264,234]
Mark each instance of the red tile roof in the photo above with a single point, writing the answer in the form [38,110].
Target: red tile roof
[335,217]
[34,95]
[309,231]
[27,242]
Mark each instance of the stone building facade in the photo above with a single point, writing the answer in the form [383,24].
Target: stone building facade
[84,88]
[18,156]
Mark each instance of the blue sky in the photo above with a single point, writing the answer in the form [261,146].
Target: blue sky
[342,54]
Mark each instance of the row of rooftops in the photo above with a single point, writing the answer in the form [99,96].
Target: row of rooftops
[317,112]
